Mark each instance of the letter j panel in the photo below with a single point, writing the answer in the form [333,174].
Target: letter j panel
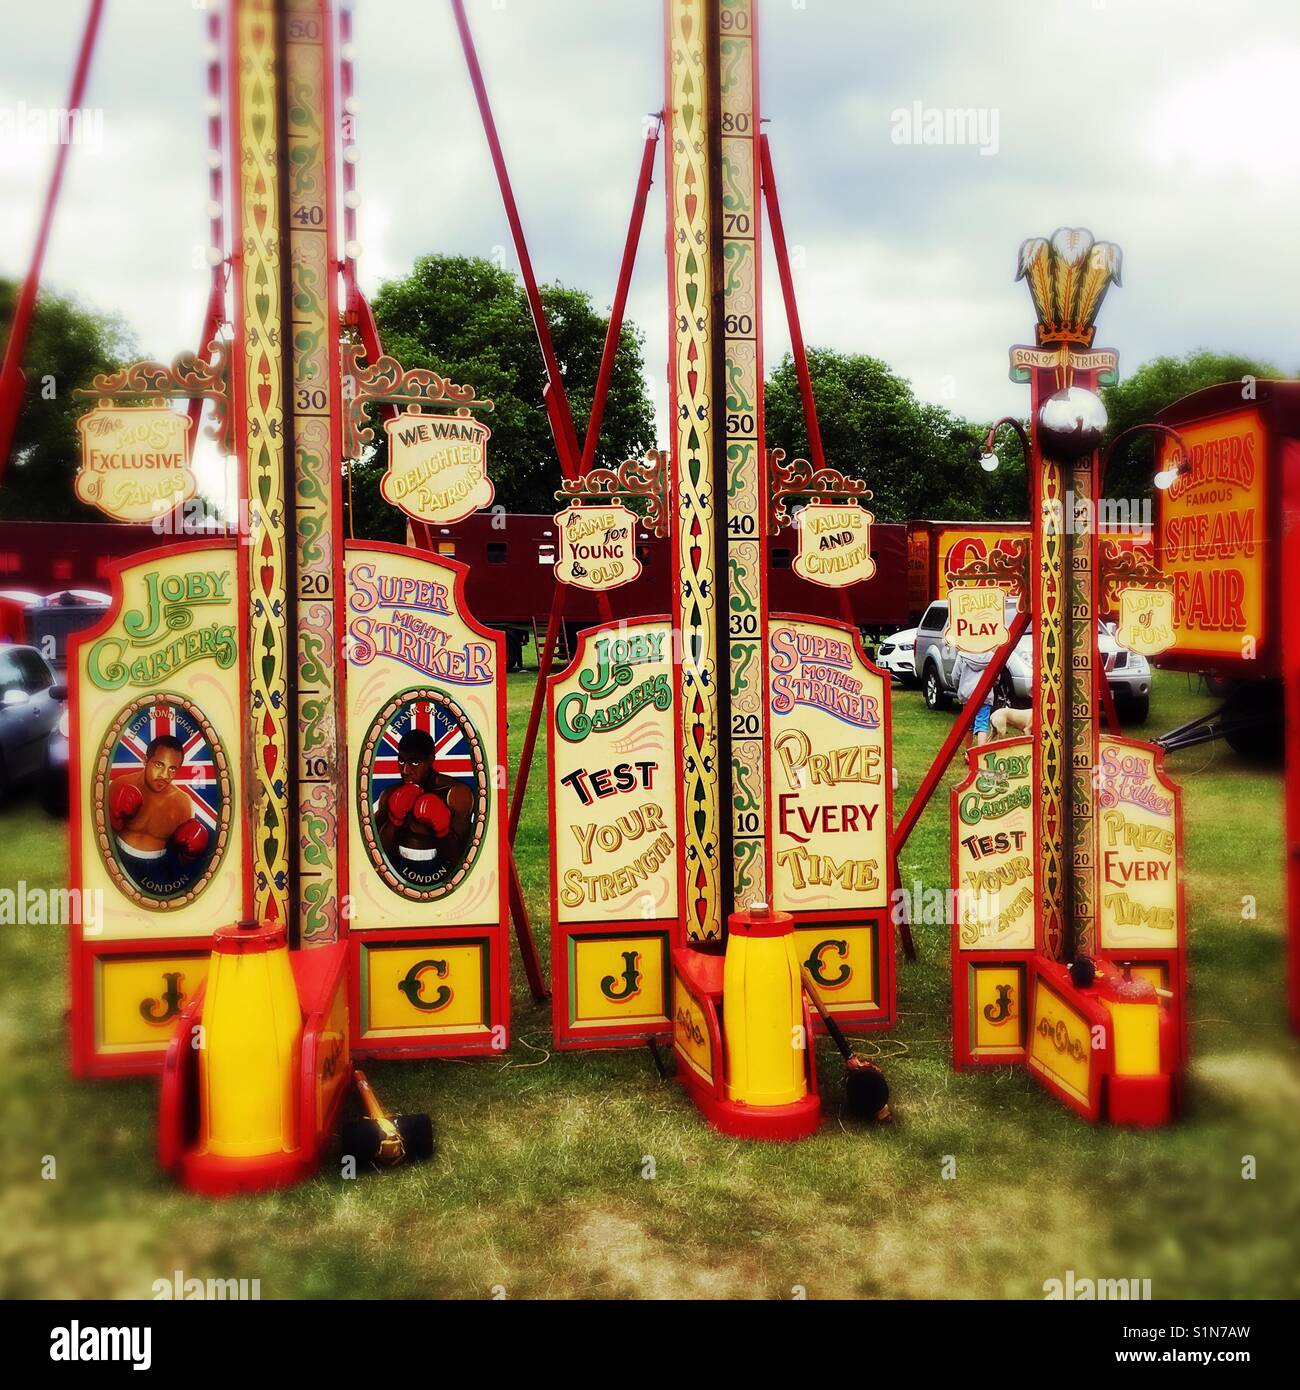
[614,835]
[156,850]
[426,737]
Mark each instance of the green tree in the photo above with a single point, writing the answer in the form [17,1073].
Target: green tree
[66,348]
[919,460]
[468,319]
[1139,398]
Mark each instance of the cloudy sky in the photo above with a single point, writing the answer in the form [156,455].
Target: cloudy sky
[1169,126]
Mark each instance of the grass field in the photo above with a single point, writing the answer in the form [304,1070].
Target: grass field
[540,1187]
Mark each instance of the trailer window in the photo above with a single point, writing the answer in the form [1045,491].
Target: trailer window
[496,552]
[780,559]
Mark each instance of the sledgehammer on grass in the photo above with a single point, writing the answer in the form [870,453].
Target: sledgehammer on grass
[385,1141]
[866,1091]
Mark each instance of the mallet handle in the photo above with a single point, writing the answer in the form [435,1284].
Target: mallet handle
[833,1028]
[368,1097]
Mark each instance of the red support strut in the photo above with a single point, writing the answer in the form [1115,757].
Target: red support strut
[12,382]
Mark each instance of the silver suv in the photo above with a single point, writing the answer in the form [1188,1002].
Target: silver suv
[1128,673]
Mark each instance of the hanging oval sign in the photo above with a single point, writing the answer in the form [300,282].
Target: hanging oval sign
[437,467]
[834,544]
[135,461]
[1146,620]
[976,619]
[597,547]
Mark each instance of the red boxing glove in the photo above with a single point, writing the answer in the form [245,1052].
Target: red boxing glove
[400,801]
[124,801]
[191,839]
[432,811]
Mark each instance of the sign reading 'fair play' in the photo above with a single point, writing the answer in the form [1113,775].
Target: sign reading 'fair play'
[976,619]
[135,461]
[437,467]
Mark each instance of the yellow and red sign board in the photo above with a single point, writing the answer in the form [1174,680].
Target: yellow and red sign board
[993,861]
[619,979]
[1146,620]
[597,546]
[842,960]
[1212,529]
[426,729]
[834,544]
[997,1013]
[976,619]
[615,854]
[154,797]
[830,809]
[437,466]
[831,774]
[1137,814]
[995,907]
[135,461]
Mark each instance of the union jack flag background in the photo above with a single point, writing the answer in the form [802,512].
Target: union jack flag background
[197,774]
[452,754]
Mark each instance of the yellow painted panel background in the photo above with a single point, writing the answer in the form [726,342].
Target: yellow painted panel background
[690,1031]
[215,691]
[123,984]
[830,772]
[1137,1039]
[602,958]
[998,1033]
[388,1009]
[1061,1042]
[859,988]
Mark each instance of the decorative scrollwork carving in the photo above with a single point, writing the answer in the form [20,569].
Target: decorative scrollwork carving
[633,477]
[1123,567]
[1006,565]
[191,376]
[388,382]
[799,478]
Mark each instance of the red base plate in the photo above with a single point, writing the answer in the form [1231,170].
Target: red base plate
[1146,1101]
[741,1121]
[216,1176]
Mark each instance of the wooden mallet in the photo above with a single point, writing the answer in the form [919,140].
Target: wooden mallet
[385,1141]
[866,1091]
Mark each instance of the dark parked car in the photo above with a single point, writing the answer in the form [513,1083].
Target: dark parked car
[31,706]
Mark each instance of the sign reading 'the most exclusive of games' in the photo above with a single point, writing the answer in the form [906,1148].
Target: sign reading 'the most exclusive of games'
[614,837]
[830,809]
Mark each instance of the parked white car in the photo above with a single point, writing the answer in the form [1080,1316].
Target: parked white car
[896,654]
